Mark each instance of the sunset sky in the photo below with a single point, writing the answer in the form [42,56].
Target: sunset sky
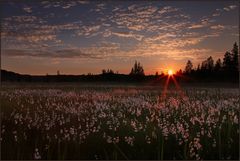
[79,37]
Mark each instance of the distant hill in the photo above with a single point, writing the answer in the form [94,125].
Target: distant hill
[12,76]
[9,76]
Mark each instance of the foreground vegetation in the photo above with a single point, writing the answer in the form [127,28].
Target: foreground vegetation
[119,123]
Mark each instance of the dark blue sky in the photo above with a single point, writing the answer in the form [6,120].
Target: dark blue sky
[79,37]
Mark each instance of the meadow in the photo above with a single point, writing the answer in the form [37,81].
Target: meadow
[119,122]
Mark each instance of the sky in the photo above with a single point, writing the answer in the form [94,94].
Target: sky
[81,37]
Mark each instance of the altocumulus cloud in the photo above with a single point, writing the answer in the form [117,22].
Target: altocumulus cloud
[155,29]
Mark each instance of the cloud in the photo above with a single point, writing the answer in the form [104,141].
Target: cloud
[31,30]
[99,8]
[63,4]
[162,51]
[83,2]
[226,9]
[167,9]
[216,14]
[233,6]
[22,19]
[217,27]
[230,7]
[88,31]
[128,35]
[64,53]
[203,22]
[147,10]
[159,37]
[55,4]
[108,50]
[164,31]
[115,9]
[36,38]
[100,51]
[27,9]
[69,5]
[55,61]
[142,18]
[196,26]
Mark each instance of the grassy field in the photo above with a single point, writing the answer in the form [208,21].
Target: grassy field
[118,122]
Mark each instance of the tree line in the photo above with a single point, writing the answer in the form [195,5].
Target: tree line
[226,68]
[228,64]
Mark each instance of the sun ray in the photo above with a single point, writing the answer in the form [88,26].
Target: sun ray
[178,88]
[171,76]
[164,93]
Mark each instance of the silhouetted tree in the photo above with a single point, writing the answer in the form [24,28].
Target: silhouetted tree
[204,66]
[110,71]
[210,63]
[207,65]
[104,71]
[235,56]
[198,68]
[218,65]
[227,61]
[179,72]
[188,67]
[137,69]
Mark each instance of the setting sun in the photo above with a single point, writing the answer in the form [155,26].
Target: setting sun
[170,72]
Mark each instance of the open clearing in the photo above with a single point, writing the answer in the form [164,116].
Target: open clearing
[119,122]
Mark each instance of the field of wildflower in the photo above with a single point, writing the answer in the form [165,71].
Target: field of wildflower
[128,122]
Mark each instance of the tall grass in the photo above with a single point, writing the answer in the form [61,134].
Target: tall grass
[119,123]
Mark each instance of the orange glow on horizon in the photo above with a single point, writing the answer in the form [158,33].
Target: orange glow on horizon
[170,72]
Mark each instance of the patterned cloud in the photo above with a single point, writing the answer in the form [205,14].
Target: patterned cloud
[112,30]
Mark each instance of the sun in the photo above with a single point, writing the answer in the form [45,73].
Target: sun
[170,72]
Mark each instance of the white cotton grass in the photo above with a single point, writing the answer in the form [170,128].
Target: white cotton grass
[36,154]
[122,117]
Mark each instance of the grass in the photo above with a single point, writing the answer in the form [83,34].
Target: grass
[119,123]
